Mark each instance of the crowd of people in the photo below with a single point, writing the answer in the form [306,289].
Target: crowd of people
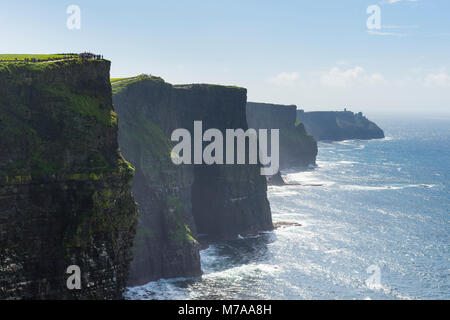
[84,55]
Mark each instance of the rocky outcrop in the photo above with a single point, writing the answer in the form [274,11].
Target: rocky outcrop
[276,180]
[339,125]
[297,147]
[65,190]
[177,203]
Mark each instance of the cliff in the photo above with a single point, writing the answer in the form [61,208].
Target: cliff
[65,190]
[177,203]
[164,245]
[339,125]
[297,147]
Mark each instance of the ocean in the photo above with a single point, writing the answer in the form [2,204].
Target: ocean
[375,224]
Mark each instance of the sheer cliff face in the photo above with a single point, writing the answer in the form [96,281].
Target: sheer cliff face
[339,125]
[227,200]
[164,245]
[297,147]
[178,202]
[65,190]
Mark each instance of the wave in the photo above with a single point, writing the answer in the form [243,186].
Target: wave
[347,162]
[367,188]
[388,187]
[164,289]
[307,179]
[246,270]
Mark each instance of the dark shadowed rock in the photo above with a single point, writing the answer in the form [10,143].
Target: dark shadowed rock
[297,147]
[339,125]
[276,180]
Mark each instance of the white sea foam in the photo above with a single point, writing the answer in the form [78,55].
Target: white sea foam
[163,289]
[347,162]
[243,271]
[306,178]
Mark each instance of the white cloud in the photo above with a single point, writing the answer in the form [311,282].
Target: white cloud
[350,77]
[375,78]
[285,79]
[441,79]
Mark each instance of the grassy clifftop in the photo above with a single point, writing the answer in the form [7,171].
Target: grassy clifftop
[48,108]
[23,57]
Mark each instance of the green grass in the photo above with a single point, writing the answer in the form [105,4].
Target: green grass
[119,84]
[121,79]
[84,105]
[22,57]
[149,136]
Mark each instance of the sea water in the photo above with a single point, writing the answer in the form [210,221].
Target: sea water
[375,224]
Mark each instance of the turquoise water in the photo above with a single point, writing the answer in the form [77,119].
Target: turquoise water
[375,225]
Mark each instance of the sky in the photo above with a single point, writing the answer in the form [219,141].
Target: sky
[319,55]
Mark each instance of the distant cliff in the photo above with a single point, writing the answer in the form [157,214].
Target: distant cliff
[65,190]
[177,203]
[297,147]
[339,125]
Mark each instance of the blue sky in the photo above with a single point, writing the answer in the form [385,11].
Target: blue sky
[316,54]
